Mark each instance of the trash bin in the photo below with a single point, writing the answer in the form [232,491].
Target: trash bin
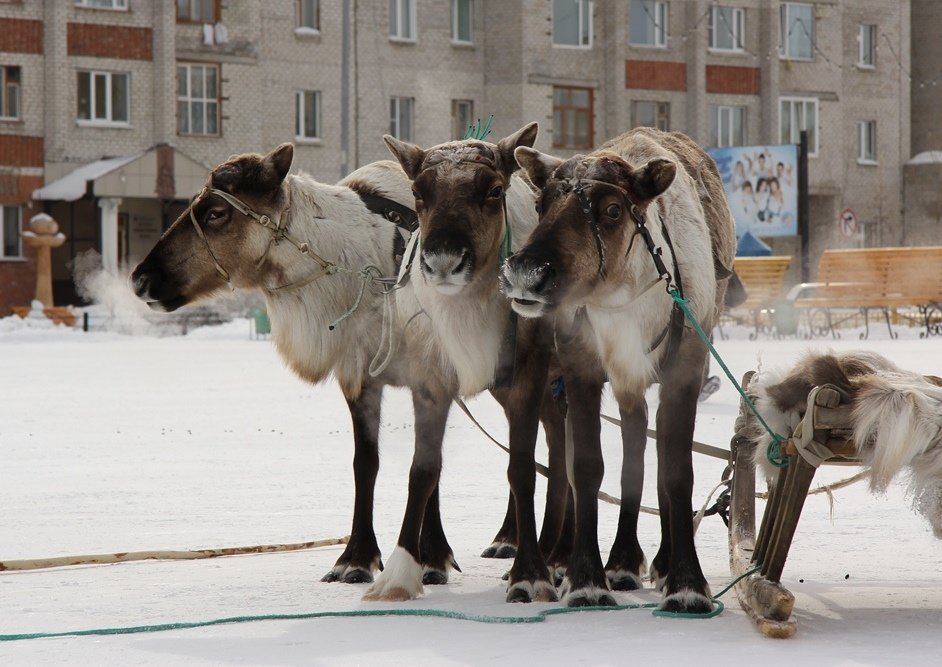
[260,322]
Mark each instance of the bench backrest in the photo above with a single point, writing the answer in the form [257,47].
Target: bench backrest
[905,275]
[763,278]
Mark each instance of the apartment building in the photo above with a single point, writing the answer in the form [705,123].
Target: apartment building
[112,110]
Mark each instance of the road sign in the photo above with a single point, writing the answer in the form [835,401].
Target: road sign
[848,222]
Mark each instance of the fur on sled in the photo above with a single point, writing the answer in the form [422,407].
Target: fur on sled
[896,419]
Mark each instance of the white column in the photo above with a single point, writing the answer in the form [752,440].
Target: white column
[109,233]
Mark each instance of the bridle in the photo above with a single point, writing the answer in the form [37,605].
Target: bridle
[672,281]
[278,229]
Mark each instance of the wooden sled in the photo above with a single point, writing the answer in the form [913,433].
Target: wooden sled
[761,594]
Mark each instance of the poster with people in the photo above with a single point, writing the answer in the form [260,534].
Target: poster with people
[762,187]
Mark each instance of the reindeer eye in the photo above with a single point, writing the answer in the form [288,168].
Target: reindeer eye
[415,193]
[613,211]
[496,192]
[215,214]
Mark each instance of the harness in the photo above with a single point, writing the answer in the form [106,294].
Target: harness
[672,280]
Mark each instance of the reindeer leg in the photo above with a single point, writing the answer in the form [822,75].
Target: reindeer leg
[529,577]
[361,557]
[437,556]
[402,578]
[504,544]
[557,486]
[626,565]
[685,588]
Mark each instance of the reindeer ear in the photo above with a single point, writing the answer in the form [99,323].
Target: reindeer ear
[539,166]
[652,179]
[525,136]
[280,160]
[409,155]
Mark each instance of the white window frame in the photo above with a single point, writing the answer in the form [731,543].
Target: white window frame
[864,55]
[584,8]
[459,128]
[314,17]
[662,111]
[455,38]
[660,36]
[395,10]
[3,225]
[395,117]
[109,5]
[736,28]
[796,133]
[784,21]
[867,138]
[300,106]
[188,99]
[724,115]
[108,119]
[4,90]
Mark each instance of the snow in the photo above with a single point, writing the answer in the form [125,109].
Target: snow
[118,443]
[74,185]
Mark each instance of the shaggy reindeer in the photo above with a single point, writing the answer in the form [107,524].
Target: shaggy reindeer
[896,418]
[213,242]
[585,265]
[469,202]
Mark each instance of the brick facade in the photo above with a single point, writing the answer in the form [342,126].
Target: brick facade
[730,80]
[21,35]
[110,41]
[21,151]
[655,75]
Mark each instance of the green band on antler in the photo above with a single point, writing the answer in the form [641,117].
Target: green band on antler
[477,131]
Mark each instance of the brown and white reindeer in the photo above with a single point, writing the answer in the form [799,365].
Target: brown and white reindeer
[588,267]
[470,205]
[246,228]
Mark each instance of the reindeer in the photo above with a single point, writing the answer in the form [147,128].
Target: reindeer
[470,205]
[586,268]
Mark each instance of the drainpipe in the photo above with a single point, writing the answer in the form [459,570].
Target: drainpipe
[345,92]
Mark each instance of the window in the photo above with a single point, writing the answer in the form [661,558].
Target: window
[647,23]
[727,126]
[797,114]
[309,14]
[401,116]
[103,97]
[198,99]
[308,115]
[866,45]
[10,245]
[198,11]
[462,21]
[651,114]
[402,20]
[102,4]
[726,28]
[572,23]
[572,117]
[462,117]
[9,92]
[796,39]
[867,141]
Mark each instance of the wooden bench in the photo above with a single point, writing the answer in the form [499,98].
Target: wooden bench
[763,278]
[873,279]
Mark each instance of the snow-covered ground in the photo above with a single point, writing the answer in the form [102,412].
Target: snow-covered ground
[116,443]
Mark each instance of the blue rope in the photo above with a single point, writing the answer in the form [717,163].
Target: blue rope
[539,617]
[774,452]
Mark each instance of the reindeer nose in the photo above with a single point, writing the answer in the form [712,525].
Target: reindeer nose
[147,280]
[541,278]
[445,262]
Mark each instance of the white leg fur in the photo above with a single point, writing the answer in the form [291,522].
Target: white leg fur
[401,580]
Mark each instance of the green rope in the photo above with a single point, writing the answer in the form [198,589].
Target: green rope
[539,617]
[774,453]
[476,131]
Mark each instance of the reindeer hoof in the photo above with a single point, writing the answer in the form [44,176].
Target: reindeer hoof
[401,580]
[348,574]
[687,602]
[532,591]
[433,577]
[500,550]
[624,580]
[587,596]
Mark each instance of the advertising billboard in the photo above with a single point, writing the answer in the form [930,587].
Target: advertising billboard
[762,187]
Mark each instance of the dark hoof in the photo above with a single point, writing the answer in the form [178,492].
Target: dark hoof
[624,581]
[603,600]
[358,576]
[499,550]
[518,595]
[506,576]
[687,602]
[331,577]
[434,578]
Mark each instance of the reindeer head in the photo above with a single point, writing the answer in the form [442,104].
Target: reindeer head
[186,265]
[459,190]
[585,228]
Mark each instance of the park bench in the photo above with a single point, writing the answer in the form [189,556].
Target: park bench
[866,279]
[763,279]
